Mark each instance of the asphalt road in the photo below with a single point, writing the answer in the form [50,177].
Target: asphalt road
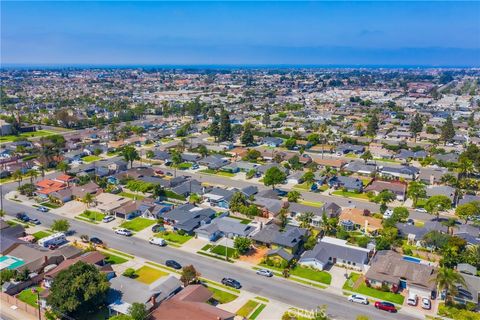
[275,288]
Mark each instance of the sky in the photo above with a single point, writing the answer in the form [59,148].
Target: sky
[240,33]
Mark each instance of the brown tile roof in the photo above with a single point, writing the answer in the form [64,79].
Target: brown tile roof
[357,216]
[92,257]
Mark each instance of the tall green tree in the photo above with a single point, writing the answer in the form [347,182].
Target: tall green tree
[138,311]
[447,279]
[61,225]
[274,176]
[447,130]
[247,135]
[367,155]
[18,176]
[63,166]
[226,133]
[468,210]
[415,191]
[214,128]
[372,125]
[130,154]
[78,290]
[416,125]
[436,204]
[242,244]
[189,275]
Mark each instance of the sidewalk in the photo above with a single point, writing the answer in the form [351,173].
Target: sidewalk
[11,312]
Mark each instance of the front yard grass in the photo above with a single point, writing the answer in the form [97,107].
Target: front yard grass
[51,205]
[247,308]
[372,292]
[149,275]
[305,273]
[41,234]
[257,312]
[113,259]
[175,237]
[218,173]
[242,220]
[92,158]
[220,250]
[92,215]
[222,296]
[29,297]
[303,186]
[316,204]
[131,195]
[26,135]
[137,224]
[457,314]
[348,194]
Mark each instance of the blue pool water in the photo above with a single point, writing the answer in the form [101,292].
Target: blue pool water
[10,262]
[411,259]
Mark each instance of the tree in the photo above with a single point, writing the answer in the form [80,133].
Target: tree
[63,166]
[274,176]
[78,290]
[61,225]
[226,133]
[158,191]
[18,176]
[313,138]
[33,174]
[416,125]
[27,189]
[372,125]
[465,166]
[447,130]
[202,150]
[447,279]
[194,198]
[367,155]
[189,275]
[290,143]
[415,191]
[293,196]
[176,158]
[237,202]
[242,244]
[214,128]
[130,154]
[308,177]
[88,199]
[266,118]
[247,136]
[282,217]
[121,317]
[305,219]
[252,155]
[400,214]
[438,203]
[150,154]
[468,210]
[385,196]
[138,311]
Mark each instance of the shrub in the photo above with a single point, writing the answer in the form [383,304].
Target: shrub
[385,287]
[130,272]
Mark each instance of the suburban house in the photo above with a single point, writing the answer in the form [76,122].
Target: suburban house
[354,218]
[224,226]
[397,187]
[270,207]
[190,186]
[219,197]
[407,154]
[333,251]
[214,162]
[48,186]
[125,291]
[405,172]
[361,168]
[390,268]
[442,190]
[190,303]
[272,142]
[349,148]
[191,157]
[470,293]
[107,203]
[188,217]
[295,177]
[291,238]
[349,183]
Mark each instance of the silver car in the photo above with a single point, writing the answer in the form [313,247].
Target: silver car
[265,273]
[358,299]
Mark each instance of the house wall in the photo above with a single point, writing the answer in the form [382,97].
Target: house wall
[312,264]
[12,301]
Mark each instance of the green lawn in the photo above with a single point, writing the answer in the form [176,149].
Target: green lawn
[26,135]
[219,173]
[303,186]
[173,236]
[247,308]
[220,250]
[257,312]
[372,292]
[92,215]
[113,259]
[51,205]
[457,314]
[41,234]
[149,275]
[305,273]
[316,204]
[242,220]
[29,297]
[365,180]
[184,166]
[421,203]
[91,158]
[131,195]
[222,296]
[137,224]
[349,194]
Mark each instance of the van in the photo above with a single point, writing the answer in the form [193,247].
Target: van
[412,299]
[158,242]
[53,240]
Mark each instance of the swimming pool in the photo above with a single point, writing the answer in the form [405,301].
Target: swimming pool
[411,259]
[9,262]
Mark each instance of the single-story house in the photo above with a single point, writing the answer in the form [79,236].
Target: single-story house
[351,184]
[354,218]
[219,197]
[214,162]
[291,238]
[188,217]
[405,172]
[441,190]
[272,141]
[398,188]
[224,226]
[361,168]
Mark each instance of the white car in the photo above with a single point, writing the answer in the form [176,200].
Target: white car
[422,210]
[412,299]
[158,242]
[426,304]
[388,214]
[124,232]
[358,299]
[265,273]
[108,219]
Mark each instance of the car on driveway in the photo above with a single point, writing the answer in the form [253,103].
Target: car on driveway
[358,299]
[42,209]
[265,273]
[108,219]
[231,283]
[157,228]
[96,241]
[173,264]
[426,304]
[385,306]
[124,232]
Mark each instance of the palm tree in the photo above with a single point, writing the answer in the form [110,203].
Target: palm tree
[450,223]
[18,176]
[88,199]
[447,279]
[33,174]
[305,219]
[63,166]
[42,171]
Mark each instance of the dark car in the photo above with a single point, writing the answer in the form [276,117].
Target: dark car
[42,209]
[34,221]
[280,192]
[231,283]
[22,216]
[157,228]
[386,306]
[173,264]
[96,241]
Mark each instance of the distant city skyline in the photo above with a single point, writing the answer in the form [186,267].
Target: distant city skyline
[241,33]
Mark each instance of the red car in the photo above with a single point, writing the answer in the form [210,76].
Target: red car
[386,306]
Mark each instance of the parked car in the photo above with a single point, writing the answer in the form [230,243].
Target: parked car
[96,241]
[195,166]
[410,222]
[388,214]
[173,264]
[22,216]
[157,228]
[157,241]
[265,273]
[169,174]
[231,283]
[35,221]
[43,209]
[53,246]
[159,173]
[426,304]
[124,232]
[358,299]
[412,299]
[386,306]
[421,210]
[108,219]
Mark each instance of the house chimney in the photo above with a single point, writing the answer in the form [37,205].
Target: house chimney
[432,179]
[152,300]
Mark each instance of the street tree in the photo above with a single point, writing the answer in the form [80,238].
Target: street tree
[468,210]
[274,176]
[247,135]
[367,155]
[61,225]
[130,154]
[242,244]
[293,196]
[415,191]
[416,125]
[189,275]
[18,176]
[447,130]
[438,203]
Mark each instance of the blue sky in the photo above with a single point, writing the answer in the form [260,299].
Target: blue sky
[349,33]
